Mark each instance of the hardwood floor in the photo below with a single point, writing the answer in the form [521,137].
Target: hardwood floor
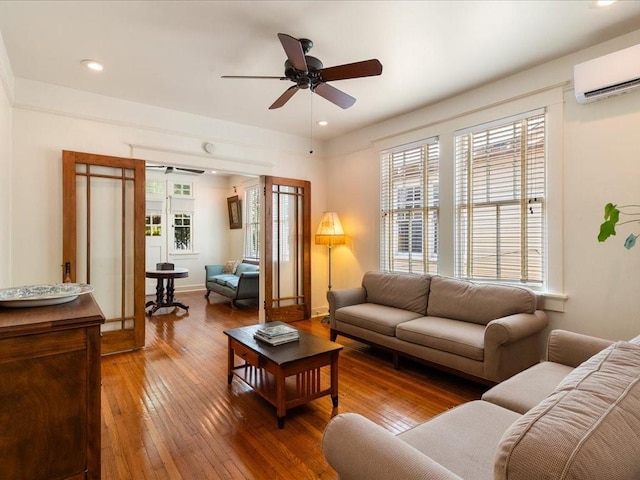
[168,412]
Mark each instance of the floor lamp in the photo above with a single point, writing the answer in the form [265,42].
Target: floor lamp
[330,233]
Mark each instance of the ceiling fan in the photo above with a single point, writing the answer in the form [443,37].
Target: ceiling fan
[169,169]
[308,72]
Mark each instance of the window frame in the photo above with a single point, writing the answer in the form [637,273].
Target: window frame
[252,203]
[508,151]
[177,221]
[181,201]
[152,228]
[409,176]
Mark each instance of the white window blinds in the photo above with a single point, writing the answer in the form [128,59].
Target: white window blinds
[252,222]
[409,208]
[500,200]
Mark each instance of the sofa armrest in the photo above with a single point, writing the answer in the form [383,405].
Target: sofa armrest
[510,329]
[343,298]
[248,285]
[512,344]
[212,270]
[358,449]
[571,349]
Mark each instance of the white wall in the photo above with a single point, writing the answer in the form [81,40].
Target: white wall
[6,95]
[48,119]
[236,185]
[600,162]
[215,242]
[596,159]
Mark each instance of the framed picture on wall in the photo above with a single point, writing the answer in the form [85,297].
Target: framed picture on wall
[235,212]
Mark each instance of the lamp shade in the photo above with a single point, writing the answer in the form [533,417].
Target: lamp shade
[330,231]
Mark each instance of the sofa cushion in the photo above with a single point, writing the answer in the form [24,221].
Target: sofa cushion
[463,439]
[525,390]
[246,267]
[453,336]
[587,429]
[223,279]
[374,317]
[477,303]
[231,281]
[400,290]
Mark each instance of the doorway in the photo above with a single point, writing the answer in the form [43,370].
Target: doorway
[287,266]
[104,240]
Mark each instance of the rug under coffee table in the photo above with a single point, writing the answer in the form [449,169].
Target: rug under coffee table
[286,375]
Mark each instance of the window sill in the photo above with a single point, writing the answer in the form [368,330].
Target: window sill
[184,254]
[554,302]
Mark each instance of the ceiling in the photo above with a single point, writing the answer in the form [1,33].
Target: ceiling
[172,53]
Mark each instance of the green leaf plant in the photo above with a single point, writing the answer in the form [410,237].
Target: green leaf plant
[612,215]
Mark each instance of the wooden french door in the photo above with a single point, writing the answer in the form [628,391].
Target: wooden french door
[287,263]
[104,240]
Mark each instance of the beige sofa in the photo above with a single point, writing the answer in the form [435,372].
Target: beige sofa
[578,423]
[487,332]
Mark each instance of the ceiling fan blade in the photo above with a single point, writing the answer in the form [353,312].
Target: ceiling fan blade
[366,68]
[253,77]
[190,170]
[295,53]
[334,95]
[284,98]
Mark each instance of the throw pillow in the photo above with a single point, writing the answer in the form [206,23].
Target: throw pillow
[230,267]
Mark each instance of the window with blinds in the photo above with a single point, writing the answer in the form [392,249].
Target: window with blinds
[252,223]
[500,200]
[409,208]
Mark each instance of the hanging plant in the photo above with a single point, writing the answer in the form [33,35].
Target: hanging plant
[612,214]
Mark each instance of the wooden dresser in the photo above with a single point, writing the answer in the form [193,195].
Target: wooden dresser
[50,391]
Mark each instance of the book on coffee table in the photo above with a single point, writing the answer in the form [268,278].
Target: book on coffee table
[277,335]
[277,341]
[276,331]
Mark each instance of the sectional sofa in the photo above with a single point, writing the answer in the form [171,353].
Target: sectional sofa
[549,422]
[486,332]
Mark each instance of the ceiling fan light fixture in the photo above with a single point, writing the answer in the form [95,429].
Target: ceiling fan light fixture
[92,65]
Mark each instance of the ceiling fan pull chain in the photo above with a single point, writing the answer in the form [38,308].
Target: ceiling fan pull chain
[311,124]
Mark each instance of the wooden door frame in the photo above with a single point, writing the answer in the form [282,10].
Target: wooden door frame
[295,312]
[118,340]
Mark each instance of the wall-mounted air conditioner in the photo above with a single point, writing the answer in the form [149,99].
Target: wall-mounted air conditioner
[606,76]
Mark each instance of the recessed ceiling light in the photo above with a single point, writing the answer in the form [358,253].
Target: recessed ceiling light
[92,65]
[214,172]
[603,3]
[323,123]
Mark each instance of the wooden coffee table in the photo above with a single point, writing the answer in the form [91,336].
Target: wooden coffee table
[285,375]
